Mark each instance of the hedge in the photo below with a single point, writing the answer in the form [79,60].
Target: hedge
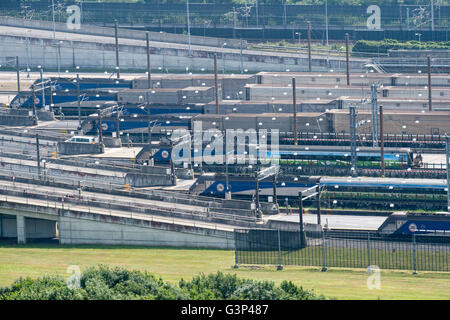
[104,283]
[365,46]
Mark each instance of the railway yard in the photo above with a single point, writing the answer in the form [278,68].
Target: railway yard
[236,150]
[188,158]
[41,140]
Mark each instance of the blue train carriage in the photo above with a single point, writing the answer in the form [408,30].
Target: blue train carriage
[161,110]
[25,100]
[92,84]
[131,124]
[334,154]
[243,187]
[64,91]
[387,193]
[407,223]
[392,185]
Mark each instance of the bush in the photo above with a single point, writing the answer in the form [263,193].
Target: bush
[104,283]
[226,286]
[365,46]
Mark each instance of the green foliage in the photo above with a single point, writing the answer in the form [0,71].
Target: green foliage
[100,283]
[104,283]
[46,288]
[226,286]
[365,46]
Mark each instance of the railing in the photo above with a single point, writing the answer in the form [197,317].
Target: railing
[362,137]
[132,209]
[343,250]
[96,185]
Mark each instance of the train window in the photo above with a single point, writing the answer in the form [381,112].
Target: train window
[303,91]
[339,80]
[441,94]
[313,79]
[397,104]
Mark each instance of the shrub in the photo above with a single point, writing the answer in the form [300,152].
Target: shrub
[104,283]
[365,46]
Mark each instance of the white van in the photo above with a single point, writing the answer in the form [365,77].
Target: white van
[82,139]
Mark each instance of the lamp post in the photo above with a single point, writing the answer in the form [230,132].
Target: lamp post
[18,75]
[188,27]
[53,18]
[59,58]
[100,128]
[326,31]
[227,177]
[116,36]
[223,58]
[420,43]
[299,43]
[41,72]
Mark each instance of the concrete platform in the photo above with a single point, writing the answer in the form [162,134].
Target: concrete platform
[334,221]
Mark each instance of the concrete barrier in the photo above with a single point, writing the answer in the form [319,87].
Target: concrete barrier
[292,226]
[112,142]
[9,120]
[122,32]
[75,229]
[71,148]
[100,54]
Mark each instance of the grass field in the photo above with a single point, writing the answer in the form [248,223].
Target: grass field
[173,264]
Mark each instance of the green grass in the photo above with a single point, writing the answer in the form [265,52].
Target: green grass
[173,264]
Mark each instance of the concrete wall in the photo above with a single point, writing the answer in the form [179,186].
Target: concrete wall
[7,120]
[19,117]
[145,180]
[95,55]
[112,142]
[79,231]
[123,33]
[82,227]
[292,226]
[70,148]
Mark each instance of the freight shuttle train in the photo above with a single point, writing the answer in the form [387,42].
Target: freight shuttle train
[338,192]
[291,154]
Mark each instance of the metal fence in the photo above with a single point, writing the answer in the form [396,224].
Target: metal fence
[342,249]
[406,17]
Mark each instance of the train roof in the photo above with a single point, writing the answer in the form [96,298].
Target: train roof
[384,181]
[340,148]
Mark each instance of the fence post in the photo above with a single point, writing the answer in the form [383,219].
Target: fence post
[280,265]
[414,252]
[324,257]
[368,250]
[236,264]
